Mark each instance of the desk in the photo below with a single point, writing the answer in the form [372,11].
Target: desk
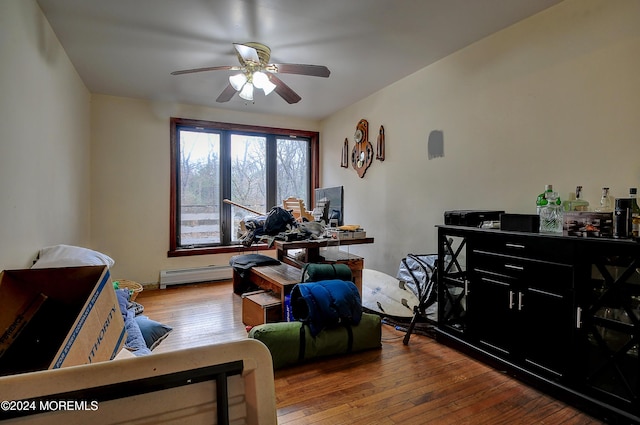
[312,254]
[312,248]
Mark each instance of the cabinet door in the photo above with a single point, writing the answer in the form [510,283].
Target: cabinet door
[490,318]
[546,326]
[523,308]
[610,325]
[452,283]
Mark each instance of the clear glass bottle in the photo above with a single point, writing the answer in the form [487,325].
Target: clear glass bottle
[635,212]
[606,203]
[580,204]
[551,214]
[576,202]
[567,204]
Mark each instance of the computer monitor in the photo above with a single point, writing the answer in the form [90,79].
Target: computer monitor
[335,196]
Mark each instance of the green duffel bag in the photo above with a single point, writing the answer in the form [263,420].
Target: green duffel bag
[291,342]
[316,272]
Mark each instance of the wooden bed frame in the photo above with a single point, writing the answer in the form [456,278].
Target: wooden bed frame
[214,384]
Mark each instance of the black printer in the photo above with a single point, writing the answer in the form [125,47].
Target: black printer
[470,218]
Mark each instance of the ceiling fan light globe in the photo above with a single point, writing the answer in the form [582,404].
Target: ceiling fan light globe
[247,92]
[237,81]
[259,79]
[269,88]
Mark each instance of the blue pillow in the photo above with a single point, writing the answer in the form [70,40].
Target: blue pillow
[135,341]
[152,331]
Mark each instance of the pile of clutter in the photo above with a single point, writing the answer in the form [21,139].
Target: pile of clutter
[280,224]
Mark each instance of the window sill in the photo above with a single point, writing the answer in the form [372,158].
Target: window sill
[187,252]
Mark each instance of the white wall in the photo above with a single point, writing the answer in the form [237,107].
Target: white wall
[44,141]
[554,99]
[130,181]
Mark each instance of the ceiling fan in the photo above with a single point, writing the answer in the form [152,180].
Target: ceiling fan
[257,72]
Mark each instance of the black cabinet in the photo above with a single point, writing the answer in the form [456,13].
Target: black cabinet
[518,307]
[562,312]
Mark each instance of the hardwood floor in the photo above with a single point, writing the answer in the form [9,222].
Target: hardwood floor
[424,382]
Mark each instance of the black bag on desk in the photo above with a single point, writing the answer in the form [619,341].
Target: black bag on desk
[275,222]
[278,220]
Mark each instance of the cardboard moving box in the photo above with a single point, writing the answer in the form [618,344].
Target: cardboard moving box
[52,318]
[16,315]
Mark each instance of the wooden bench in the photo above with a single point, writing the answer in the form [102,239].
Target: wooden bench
[279,279]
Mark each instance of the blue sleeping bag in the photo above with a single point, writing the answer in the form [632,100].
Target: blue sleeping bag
[326,303]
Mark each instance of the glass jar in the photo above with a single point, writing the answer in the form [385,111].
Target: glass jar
[551,215]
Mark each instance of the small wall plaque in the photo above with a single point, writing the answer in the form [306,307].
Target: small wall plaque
[344,162]
[380,145]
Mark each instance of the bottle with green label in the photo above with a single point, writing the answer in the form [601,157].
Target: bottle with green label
[542,201]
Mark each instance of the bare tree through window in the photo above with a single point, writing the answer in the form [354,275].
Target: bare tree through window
[254,169]
[199,188]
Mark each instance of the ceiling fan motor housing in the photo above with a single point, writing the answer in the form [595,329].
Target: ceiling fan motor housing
[264,52]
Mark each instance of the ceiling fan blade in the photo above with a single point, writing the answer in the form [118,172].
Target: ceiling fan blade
[297,68]
[247,53]
[284,90]
[226,94]
[210,68]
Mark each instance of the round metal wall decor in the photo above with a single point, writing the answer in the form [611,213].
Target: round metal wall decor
[362,153]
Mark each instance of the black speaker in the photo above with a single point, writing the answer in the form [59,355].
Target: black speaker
[520,222]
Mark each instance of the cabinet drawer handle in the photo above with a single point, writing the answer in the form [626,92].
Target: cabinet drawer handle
[578,318]
[510,300]
[513,267]
[520,298]
[514,245]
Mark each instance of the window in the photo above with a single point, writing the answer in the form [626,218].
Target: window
[256,167]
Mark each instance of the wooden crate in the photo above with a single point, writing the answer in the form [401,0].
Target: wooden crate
[261,307]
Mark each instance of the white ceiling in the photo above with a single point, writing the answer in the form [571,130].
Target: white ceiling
[129,47]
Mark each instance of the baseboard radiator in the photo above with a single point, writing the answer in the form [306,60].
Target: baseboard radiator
[194,275]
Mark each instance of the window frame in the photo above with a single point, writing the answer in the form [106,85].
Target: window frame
[314,177]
